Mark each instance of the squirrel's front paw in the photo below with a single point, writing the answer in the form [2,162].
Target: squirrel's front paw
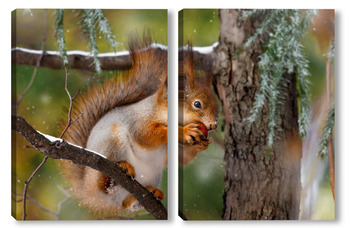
[157,193]
[201,146]
[128,168]
[193,135]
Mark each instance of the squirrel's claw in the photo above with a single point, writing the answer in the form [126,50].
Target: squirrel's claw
[157,193]
[193,135]
[127,168]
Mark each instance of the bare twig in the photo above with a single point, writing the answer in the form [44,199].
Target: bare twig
[36,203]
[71,99]
[37,65]
[59,207]
[26,183]
[80,115]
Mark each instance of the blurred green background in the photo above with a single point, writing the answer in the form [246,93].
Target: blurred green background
[45,103]
[203,179]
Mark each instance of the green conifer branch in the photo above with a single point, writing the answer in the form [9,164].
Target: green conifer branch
[60,35]
[88,20]
[327,132]
[91,20]
[105,29]
[283,53]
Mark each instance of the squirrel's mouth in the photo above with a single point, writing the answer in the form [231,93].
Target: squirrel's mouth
[212,126]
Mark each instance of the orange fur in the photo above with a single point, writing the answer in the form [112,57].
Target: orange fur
[130,199]
[104,182]
[153,136]
[115,128]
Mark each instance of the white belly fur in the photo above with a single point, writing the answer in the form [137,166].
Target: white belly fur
[148,165]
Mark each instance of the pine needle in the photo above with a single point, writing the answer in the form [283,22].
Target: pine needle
[283,53]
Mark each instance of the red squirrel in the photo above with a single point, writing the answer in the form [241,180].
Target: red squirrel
[198,108]
[125,119]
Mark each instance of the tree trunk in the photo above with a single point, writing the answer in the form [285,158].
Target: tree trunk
[260,184]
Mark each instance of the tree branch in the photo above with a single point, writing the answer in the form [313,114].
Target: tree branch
[77,59]
[59,149]
[36,203]
[84,61]
[71,99]
[26,184]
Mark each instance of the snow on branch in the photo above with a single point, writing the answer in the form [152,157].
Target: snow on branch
[59,149]
[77,59]
[84,60]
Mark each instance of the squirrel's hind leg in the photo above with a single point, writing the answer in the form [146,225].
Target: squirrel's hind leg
[130,200]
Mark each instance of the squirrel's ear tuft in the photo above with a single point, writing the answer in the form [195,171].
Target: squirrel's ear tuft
[165,82]
[186,67]
[165,88]
[184,84]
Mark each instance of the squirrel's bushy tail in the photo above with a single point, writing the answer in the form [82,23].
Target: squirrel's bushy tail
[149,69]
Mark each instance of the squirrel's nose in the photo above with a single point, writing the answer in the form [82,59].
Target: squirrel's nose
[216,122]
[215,125]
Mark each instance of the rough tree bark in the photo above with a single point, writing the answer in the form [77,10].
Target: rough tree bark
[260,184]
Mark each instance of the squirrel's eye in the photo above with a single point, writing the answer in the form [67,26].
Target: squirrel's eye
[197,104]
